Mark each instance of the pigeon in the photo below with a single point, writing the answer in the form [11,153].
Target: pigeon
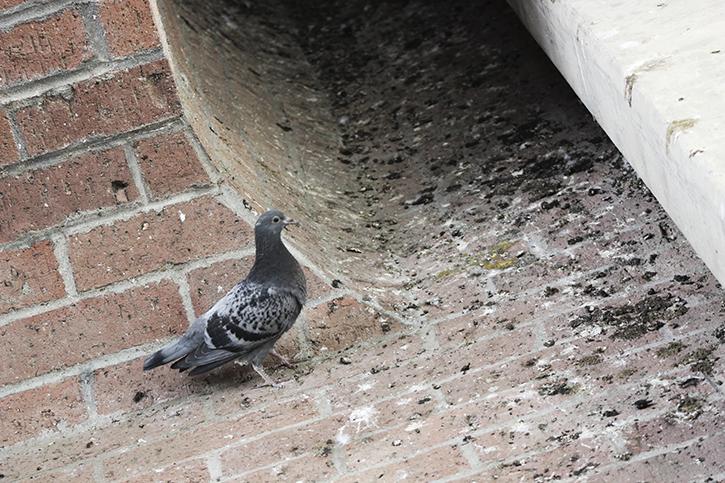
[244,325]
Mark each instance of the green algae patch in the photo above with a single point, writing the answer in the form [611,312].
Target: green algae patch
[449,272]
[497,257]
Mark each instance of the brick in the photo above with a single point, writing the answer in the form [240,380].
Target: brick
[100,107]
[404,409]
[308,467]
[125,387]
[63,450]
[154,240]
[239,389]
[169,164]
[129,26]
[29,276]
[692,418]
[91,328]
[502,317]
[700,461]
[40,48]
[188,471]
[315,438]
[431,465]
[542,443]
[48,408]
[44,197]
[180,445]
[599,363]
[369,449]
[5,4]
[350,389]
[82,473]
[573,460]
[504,392]
[342,322]
[316,287]
[383,371]
[8,149]
[491,350]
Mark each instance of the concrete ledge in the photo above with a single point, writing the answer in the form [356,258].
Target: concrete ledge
[652,74]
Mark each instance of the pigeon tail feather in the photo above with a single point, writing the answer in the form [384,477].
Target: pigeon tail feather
[167,354]
[198,370]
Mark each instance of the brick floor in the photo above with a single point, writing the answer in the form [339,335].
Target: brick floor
[572,335]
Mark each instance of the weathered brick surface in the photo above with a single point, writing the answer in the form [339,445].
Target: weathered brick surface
[8,149]
[125,387]
[39,48]
[294,469]
[82,447]
[44,197]
[316,438]
[342,322]
[700,461]
[428,466]
[100,106]
[694,416]
[169,164]
[35,411]
[81,473]
[10,3]
[29,276]
[186,472]
[150,241]
[373,372]
[93,327]
[418,431]
[316,287]
[129,26]
[506,316]
[174,447]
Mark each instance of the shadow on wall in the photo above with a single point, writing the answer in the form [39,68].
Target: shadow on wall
[403,133]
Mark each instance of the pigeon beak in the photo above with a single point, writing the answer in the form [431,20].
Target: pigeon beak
[290,221]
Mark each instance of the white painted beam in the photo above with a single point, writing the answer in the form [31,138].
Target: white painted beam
[652,72]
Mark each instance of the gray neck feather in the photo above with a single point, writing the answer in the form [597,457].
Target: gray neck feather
[274,264]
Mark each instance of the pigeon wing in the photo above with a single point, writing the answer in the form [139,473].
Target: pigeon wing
[249,316]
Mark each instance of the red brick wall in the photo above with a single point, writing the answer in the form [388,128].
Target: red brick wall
[97,164]
[114,230]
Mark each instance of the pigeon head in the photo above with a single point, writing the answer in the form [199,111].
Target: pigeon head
[271,224]
[273,263]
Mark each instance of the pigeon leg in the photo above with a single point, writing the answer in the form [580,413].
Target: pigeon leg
[268,380]
[283,359]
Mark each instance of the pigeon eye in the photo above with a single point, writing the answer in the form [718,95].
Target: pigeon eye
[275,219]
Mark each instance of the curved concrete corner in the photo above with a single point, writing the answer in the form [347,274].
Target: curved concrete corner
[253,100]
[652,74]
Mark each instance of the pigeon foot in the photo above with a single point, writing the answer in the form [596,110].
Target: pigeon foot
[268,381]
